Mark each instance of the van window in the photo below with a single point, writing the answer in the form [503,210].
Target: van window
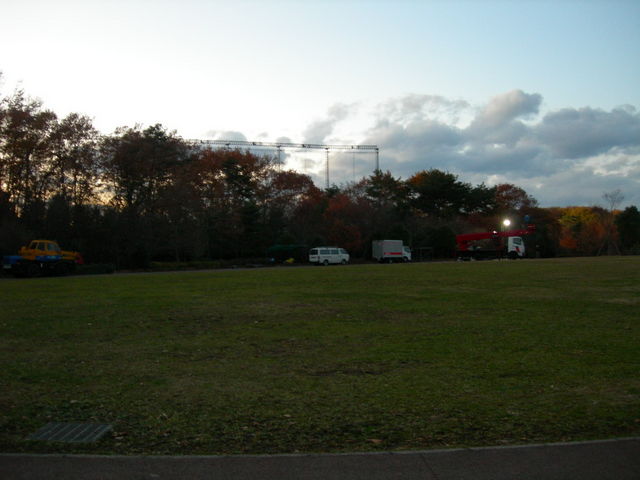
[334,251]
[314,251]
[517,240]
[324,251]
[343,251]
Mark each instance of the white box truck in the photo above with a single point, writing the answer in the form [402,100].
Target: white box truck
[389,251]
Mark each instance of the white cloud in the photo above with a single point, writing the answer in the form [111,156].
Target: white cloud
[500,121]
[566,157]
[507,107]
[226,135]
[616,162]
[319,130]
[572,133]
[410,108]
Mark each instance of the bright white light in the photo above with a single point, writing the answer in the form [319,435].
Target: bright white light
[506,222]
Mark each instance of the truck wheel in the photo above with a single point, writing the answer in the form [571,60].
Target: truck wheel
[325,263]
[32,270]
[61,269]
[513,255]
[344,262]
[19,271]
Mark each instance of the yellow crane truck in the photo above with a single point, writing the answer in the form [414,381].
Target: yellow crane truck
[41,257]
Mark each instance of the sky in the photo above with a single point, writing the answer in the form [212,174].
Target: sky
[542,94]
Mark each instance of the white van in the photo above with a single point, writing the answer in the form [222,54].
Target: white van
[327,255]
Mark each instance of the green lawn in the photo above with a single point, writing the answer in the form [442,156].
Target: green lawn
[325,359]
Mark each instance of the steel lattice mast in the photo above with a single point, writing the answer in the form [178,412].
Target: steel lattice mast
[279,146]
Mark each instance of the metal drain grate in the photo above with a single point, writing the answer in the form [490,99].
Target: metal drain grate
[71,432]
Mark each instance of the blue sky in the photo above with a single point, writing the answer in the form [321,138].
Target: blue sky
[542,94]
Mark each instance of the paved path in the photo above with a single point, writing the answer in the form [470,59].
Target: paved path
[610,459]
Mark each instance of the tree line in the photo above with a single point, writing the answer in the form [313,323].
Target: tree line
[143,194]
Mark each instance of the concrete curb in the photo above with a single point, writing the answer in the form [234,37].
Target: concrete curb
[607,459]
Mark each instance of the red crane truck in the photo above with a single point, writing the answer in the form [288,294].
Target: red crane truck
[486,245]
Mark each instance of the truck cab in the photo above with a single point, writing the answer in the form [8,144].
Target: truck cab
[515,247]
[41,250]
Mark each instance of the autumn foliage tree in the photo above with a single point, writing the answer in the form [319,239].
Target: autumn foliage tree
[583,231]
[138,166]
[510,198]
[42,160]
[143,194]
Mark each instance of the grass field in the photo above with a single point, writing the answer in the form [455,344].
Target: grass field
[325,359]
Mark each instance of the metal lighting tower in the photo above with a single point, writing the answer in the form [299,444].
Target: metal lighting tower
[327,169]
[279,146]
